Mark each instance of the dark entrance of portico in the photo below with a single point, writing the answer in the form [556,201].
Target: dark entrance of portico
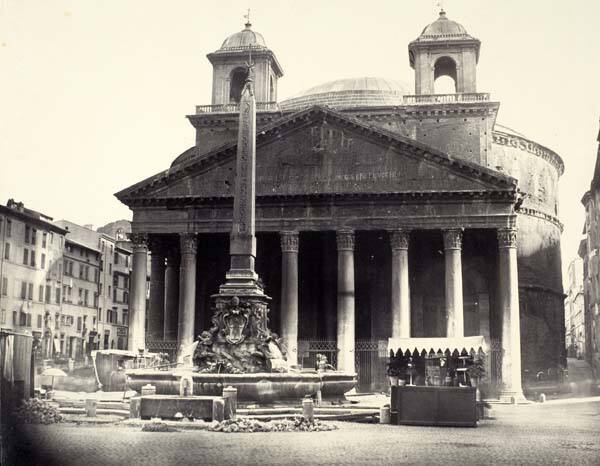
[317,287]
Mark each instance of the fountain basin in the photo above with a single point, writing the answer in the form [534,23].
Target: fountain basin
[261,387]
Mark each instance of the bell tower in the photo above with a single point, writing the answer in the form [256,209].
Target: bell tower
[444,48]
[230,64]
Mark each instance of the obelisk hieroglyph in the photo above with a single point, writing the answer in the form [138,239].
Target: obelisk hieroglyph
[241,277]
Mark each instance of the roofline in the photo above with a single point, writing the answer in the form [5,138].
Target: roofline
[82,245]
[218,55]
[29,218]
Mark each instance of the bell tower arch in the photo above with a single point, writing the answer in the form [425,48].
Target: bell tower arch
[230,68]
[444,49]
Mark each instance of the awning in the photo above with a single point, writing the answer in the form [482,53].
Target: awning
[434,345]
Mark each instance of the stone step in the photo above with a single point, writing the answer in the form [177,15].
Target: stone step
[116,412]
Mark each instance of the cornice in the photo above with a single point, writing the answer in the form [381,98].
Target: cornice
[518,142]
[541,215]
[409,196]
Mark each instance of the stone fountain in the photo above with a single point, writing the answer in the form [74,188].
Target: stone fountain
[239,350]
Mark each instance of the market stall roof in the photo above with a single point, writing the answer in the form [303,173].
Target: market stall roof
[474,343]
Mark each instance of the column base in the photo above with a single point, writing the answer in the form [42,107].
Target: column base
[512,397]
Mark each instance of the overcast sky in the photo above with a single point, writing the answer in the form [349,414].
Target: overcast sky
[93,94]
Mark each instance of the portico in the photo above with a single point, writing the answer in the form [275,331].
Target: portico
[419,256]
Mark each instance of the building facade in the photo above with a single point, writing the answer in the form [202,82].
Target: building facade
[574,311]
[31,274]
[100,279]
[589,252]
[379,213]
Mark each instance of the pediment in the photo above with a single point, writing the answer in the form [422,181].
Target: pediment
[323,152]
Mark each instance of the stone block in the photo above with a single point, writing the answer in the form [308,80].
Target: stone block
[166,406]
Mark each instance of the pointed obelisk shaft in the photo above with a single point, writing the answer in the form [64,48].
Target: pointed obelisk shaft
[242,246]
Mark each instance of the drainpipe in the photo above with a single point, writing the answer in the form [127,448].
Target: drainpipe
[2,258]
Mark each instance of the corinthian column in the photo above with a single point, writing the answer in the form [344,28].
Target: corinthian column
[509,305]
[137,298]
[171,294]
[289,294]
[399,240]
[455,326]
[157,290]
[345,301]
[187,290]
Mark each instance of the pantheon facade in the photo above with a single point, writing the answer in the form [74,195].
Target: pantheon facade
[382,212]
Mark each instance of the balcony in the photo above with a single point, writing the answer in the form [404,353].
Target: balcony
[428,99]
[235,108]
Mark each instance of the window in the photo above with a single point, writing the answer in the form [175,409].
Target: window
[41,293]
[33,236]
[126,261]
[95,299]
[109,290]
[87,272]
[15,321]
[26,256]
[27,233]
[48,293]
[28,320]
[111,248]
[30,291]
[125,297]
[51,238]
[81,271]
[96,275]
[79,321]
[43,261]
[44,239]
[3,316]
[39,321]
[110,269]
[125,317]
[32,258]
[23,290]
[115,280]
[7,251]
[126,282]
[8,228]
[100,288]
[56,321]
[81,252]
[115,295]
[116,258]
[4,286]
[86,297]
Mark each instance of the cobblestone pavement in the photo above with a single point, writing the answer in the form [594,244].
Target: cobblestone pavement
[567,433]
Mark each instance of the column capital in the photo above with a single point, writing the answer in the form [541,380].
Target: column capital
[453,238]
[399,239]
[289,241]
[507,237]
[139,241]
[189,243]
[345,240]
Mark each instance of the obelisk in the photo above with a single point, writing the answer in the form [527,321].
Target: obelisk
[241,279]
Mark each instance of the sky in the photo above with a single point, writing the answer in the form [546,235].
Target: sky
[93,94]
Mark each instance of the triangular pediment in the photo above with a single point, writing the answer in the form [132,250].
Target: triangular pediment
[319,152]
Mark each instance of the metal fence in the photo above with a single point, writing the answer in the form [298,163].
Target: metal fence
[163,346]
[370,360]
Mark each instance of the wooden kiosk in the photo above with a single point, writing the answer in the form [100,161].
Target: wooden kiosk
[441,395]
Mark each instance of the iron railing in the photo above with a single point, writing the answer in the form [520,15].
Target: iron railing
[235,108]
[446,98]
